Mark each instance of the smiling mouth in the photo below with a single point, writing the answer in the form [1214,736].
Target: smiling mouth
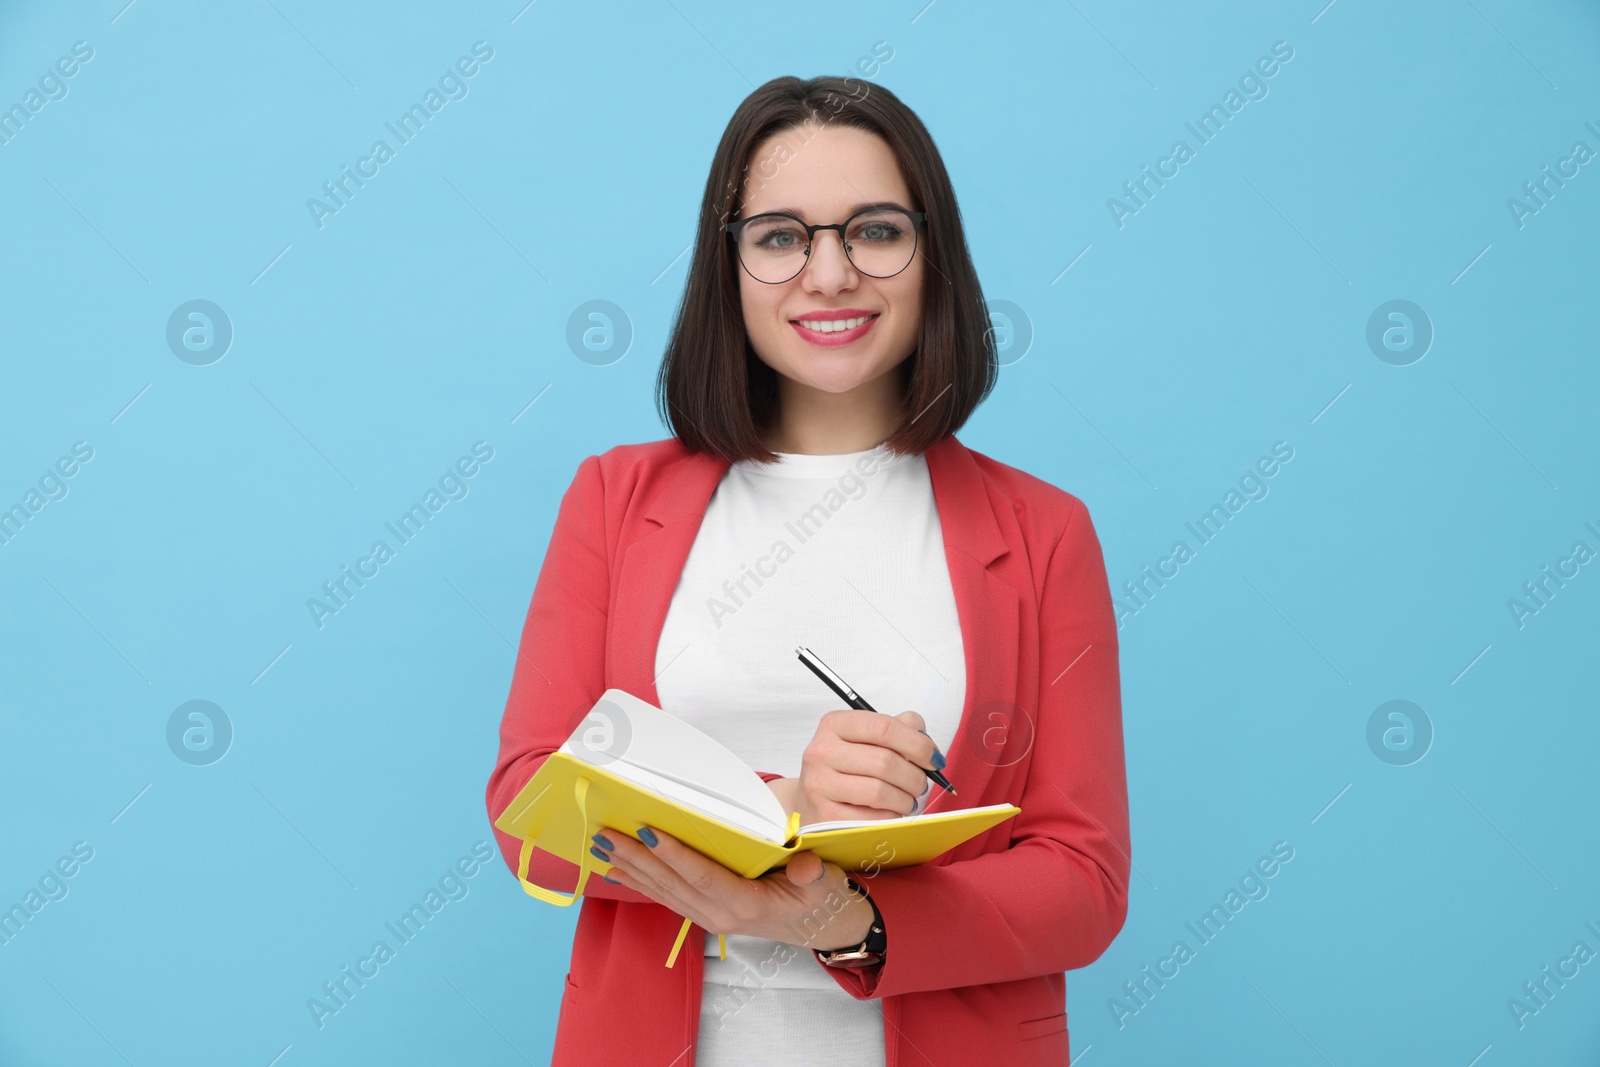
[833,325]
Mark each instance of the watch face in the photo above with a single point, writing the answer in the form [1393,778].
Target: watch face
[854,959]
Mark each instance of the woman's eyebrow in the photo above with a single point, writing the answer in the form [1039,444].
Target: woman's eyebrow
[848,211]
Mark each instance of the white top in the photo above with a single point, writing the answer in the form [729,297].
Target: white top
[843,554]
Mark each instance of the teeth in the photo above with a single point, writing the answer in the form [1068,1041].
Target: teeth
[834,326]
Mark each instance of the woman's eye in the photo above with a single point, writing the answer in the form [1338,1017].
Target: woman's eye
[779,239]
[878,231]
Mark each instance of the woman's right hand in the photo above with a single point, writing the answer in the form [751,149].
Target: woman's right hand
[861,765]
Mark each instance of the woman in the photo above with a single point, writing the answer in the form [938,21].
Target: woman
[832,338]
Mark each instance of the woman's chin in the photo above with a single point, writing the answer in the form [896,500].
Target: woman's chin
[830,383]
[833,371]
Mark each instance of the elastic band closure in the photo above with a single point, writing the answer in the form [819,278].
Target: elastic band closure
[580,792]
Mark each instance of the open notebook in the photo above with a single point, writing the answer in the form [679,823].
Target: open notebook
[630,764]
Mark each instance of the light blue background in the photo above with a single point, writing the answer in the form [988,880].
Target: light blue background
[1227,315]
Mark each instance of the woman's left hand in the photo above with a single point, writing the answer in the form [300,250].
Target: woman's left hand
[806,904]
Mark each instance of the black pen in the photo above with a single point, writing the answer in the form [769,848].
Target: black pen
[851,697]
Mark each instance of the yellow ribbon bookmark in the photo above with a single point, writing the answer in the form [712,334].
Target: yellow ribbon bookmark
[722,943]
[676,945]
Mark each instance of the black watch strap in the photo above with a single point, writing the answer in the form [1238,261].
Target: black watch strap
[878,935]
[871,950]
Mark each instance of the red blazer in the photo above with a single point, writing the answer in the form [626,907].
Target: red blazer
[978,938]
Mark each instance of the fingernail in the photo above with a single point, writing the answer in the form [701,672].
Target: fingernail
[821,876]
[597,854]
[608,878]
[600,839]
[647,836]
[938,760]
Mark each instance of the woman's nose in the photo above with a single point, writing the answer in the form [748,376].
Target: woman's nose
[828,262]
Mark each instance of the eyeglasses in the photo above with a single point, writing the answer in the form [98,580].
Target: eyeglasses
[879,242]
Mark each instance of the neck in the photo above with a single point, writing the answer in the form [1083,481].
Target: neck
[815,422]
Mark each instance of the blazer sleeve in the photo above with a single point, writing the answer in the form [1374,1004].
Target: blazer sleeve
[559,672]
[1057,897]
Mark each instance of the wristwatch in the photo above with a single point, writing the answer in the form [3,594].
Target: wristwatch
[871,950]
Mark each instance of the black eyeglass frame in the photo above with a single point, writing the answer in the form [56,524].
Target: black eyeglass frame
[918,220]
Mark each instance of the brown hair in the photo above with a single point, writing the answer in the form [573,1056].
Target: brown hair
[714,392]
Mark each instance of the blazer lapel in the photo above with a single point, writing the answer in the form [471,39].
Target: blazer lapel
[993,730]
[989,733]
[675,503]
